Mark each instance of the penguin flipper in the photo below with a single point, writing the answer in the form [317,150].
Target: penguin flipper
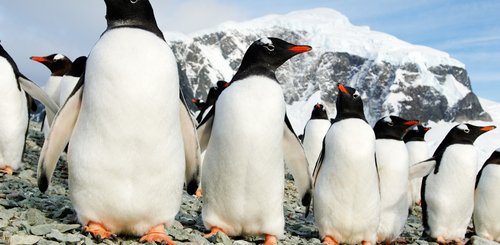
[296,160]
[58,137]
[37,93]
[191,148]
[421,169]
[205,129]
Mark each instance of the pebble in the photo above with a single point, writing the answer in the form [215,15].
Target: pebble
[57,235]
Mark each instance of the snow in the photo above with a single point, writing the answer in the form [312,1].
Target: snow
[332,31]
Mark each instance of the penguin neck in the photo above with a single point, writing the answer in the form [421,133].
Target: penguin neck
[254,70]
[150,26]
[347,115]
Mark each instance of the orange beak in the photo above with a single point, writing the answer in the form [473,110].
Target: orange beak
[427,129]
[318,105]
[411,123]
[195,101]
[488,128]
[300,48]
[39,59]
[342,89]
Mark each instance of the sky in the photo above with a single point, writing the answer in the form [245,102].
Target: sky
[468,30]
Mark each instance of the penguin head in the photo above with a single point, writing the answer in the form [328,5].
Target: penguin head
[131,13]
[465,133]
[78,67]
[58,64]
[199,103]
[416,133]
[393,127]
[221,85]
[270,53]
[349,103]
[319,112]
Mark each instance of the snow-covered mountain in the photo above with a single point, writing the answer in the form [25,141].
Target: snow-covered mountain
[393,76]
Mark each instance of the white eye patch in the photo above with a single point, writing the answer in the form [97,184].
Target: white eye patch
[387,119]
[266,41]
[58,57]
[356,94]
[463,127]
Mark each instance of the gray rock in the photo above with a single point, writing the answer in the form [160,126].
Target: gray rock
[47,242]
[220,238]
[178,235]
[198,239]
[23,239]
[242,242]
[35,217]
[3,223]
[57,235]
[27,174]
[41,230]
[7,214]
[477,240]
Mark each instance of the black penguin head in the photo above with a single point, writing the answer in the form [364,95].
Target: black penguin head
[319,112]
[265,55]
[58,64]
[221,85]
[416,134]
[349,103]
[78,67]
[465,133]
[393,127]
[134,13]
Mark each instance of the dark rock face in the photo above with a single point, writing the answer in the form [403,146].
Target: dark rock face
[409,90]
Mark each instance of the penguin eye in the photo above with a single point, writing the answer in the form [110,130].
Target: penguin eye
[467,130]
[133,1]
[269,47]
[355,96]
[390,124]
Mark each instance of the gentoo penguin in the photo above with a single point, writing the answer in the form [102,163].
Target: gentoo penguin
[346,190]
[70,79]
[314,132]
[393,167]
[14,118]
[58,65]
[248,137]
[132,137]
[448,191]
[213,94]
[417,152]
[487,199]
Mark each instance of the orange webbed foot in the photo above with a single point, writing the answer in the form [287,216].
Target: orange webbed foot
[213,231]
[330,240]
[270,240]
[157,234]
[366,243]
[199,193]
[7,170]
[98,231]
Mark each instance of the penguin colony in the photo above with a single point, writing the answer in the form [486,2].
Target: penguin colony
[134,145]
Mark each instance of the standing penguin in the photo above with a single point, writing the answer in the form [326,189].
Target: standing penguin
[248,137]
[487,199]
[448,192]
[417,152]
[58,65]
[314,132]
[14,118]
[70,79]
[394,171]
[346,190]
[131,133]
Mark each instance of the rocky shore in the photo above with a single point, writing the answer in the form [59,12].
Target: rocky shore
[28,216]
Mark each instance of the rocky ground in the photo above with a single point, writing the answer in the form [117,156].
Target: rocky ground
[29,217]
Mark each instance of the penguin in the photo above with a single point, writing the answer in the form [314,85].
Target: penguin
[70,79]
[393,167]
[132,140]
[314,132]
[14,111]
[247,136]
[486,214]
[448,191]
[213,94]
[58,64]
[346,190]
[417,151]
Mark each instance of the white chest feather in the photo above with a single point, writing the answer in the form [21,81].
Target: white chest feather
[53,88]
[67,85]
[127,138]
[449,194]
[314,133]
[13,117]
[487,204]
[393,169]
[346,189]
[244,157]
